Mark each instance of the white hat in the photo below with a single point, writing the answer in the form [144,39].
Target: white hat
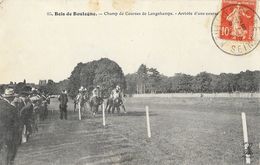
[9,92]
[35,99]
[118,87]
[81,88]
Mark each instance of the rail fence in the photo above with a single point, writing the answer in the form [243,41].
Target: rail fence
[227,95]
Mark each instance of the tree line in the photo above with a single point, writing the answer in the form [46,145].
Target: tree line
[150,80]
[108,74]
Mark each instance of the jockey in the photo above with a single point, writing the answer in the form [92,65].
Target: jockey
[96,92]
[35,98]
[80,98]
[117,93]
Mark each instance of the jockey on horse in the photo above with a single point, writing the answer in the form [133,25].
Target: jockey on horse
[115,100]
[96,99]
[80,100]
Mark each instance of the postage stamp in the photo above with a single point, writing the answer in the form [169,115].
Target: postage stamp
[235,29]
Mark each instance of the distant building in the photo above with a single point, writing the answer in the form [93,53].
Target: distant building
[42,82]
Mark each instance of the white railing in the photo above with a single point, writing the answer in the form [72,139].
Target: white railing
[237,94]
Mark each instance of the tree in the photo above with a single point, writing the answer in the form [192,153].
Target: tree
[141,78]
[74,80]
[165,85]
[153,80]
[182,83]
[201,82]
[62,85]
[214,84]
[108,74]
[103,72]
[131,83]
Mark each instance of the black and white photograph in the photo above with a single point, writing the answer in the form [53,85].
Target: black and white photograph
[129,82]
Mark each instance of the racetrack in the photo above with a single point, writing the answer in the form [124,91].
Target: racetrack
[184,131]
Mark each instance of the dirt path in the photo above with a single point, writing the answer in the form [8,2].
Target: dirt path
[75,142]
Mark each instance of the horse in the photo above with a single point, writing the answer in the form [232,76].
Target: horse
[80,101]
[94,104]
[27,121]
[10,134]
[114,104]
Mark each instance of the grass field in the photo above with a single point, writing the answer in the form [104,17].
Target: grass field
[192,131]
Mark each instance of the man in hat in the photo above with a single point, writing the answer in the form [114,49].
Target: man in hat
[12,98]
[9,128]
[63,98]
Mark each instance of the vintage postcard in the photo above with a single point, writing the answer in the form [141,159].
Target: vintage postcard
[129,82]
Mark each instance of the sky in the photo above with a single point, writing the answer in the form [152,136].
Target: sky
[35,46]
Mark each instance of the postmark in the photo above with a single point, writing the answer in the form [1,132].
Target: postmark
[235,29]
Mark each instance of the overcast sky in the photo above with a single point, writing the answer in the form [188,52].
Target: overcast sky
[36,46]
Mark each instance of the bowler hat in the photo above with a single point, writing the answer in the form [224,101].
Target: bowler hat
[9,92]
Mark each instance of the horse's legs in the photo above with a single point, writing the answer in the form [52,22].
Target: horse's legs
[123,106]
[96,109]
[118,110]
[36,120]
[75,107]
[113,109]
[24,134]
[46,111]
[106,107]
[109,108]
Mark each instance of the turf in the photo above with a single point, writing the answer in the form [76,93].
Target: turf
[184,131]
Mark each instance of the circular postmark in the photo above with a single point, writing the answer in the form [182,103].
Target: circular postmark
[235,29]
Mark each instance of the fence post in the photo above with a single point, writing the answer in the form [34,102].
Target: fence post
[79,112]
[245,135]
[103,112]
[148,122]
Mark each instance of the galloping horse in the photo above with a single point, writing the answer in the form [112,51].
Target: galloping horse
[114,104]
[94,104]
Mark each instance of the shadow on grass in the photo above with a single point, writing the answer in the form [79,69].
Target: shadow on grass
[137,113]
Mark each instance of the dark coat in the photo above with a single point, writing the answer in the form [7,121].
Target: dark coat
[63,98]
[9,132]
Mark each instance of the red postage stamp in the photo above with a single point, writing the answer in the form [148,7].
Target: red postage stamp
[237,20]
[235,28]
